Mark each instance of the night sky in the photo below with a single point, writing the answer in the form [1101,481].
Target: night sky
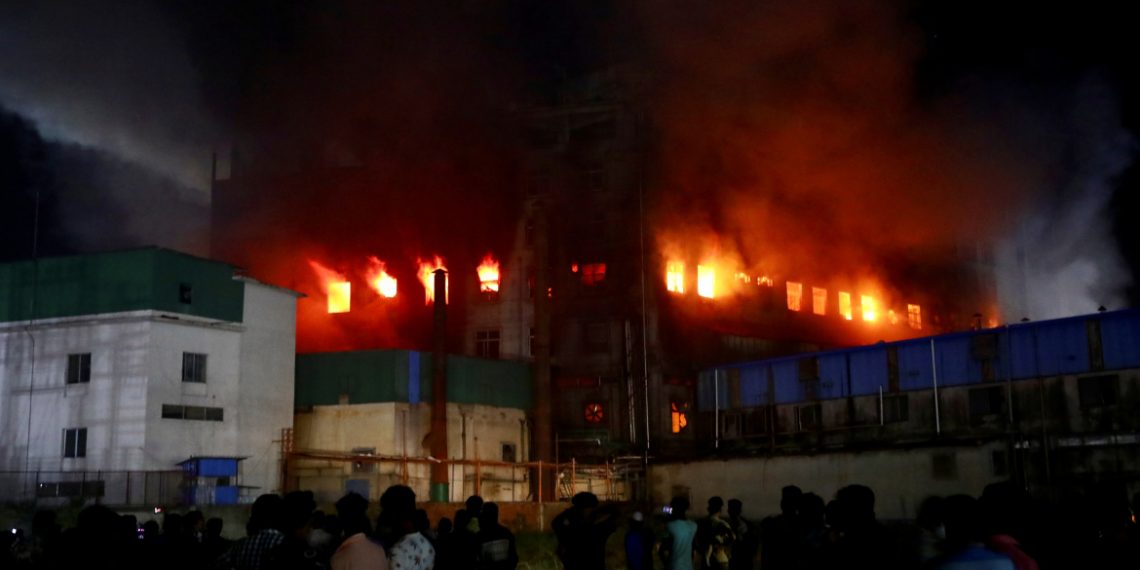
[1014,122]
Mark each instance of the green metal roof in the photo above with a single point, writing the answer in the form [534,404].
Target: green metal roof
[373,376]
[118,281]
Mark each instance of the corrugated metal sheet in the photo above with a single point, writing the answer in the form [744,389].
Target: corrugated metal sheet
[1062,347]
[119,281]
[371,376]
[868,370]
[1021,351]
[1120,337]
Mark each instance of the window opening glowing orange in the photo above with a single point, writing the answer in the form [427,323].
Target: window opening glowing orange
[795,295]
[845,305]
[706,281]
[819,300]
[675,277]
[869,308]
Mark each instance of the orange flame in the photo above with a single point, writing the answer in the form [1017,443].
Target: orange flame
[706,281]
[869,308]
[845,305]
[675,276]
[427,268]
[336,288]
[379,279]
[488,275]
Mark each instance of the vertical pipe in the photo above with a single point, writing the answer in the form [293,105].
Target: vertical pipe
[716,408]
[934,376]
[439,476]
[881,421]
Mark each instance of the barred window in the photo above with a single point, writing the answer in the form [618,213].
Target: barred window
[75,442]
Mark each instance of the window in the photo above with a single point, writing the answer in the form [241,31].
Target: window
[986,401]
[809,417]
[193,367]
[79,368]
[1098,391]
[944,466]
[75,442]
[679,415]
[895,409]
[869,312]
[845,305]
[914,316]
[487,343]
[593,273]
[360,465]
[185,293]
[509,453]
[795,295]
[819,300]
[201,413]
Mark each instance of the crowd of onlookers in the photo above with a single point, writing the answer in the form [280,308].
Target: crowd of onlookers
[1003,529]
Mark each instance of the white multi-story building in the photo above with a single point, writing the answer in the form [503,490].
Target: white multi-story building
[119,365]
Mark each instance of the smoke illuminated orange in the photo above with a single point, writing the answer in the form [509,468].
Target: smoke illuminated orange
[379,279]
[675,276]
[706,281]
[337,289]
[427,268]
[488,275]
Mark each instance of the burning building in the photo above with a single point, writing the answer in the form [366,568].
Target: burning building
[638,298]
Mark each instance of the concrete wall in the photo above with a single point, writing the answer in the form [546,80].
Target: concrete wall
[901,479]
[398,429]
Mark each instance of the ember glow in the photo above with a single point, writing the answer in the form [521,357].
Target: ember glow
[488,275]
[336,288]
[706,281]
[675,277]
[869,313]
[379,279]
[427,268]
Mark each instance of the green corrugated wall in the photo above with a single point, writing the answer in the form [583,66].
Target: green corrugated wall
[118,281]
[372,376]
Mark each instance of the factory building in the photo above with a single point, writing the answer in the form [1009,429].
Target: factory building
[140,376]
[1051,405]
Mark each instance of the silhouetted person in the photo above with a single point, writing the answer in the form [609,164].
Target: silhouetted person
[460,545]
[295,552]
[474,506]
[714,537]
[213,544]
[677,546]
[262,535]
[925,542]
[964,539]
[408,550]
[638,544]
[811,533]
[582,531]
[358,551]
[747,537]
[862,541]
[778,533]
[497,550]
[91,544]
[1002,508]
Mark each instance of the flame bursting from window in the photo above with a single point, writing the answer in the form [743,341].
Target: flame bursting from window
[379,279]
[427,277]
[488,275]
[706,281]
[336,288]
[675,277]
[869,313]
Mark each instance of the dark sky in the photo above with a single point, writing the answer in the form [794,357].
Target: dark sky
[110,110]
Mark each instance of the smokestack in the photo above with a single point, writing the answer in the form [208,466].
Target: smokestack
[439,480]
